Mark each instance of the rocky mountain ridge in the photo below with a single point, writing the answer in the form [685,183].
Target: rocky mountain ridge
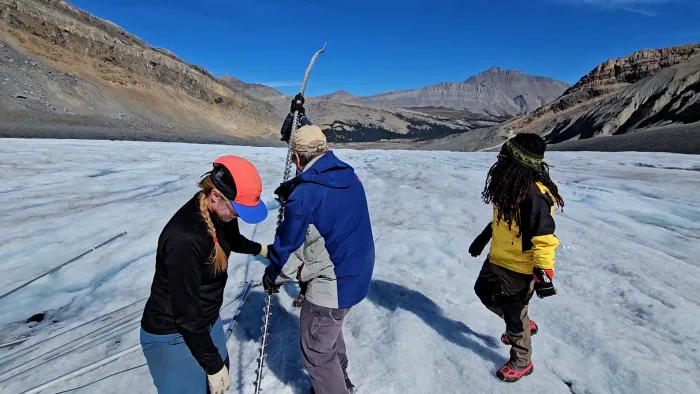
[147,81]
[646,90]
[93,73]
[60,65]
[496,92]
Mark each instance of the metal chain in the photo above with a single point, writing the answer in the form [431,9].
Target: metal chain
[287,166]
[268,298]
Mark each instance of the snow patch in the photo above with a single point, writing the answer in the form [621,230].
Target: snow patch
[625,318]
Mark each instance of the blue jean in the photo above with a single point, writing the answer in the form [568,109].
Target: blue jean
[172,366]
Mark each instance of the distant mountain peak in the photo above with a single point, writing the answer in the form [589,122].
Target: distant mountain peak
[499,70]
[491,92]
[229,77]
[497,73]
[339,95]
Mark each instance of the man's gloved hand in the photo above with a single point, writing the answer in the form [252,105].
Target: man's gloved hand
[543,282]
[263,251]
[219,382]
[280,200]
[269,287]
[480,241]
[298,105]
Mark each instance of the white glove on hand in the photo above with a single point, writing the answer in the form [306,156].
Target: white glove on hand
[263,251]
[219,382]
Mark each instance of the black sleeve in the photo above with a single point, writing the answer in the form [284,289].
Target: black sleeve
[477,246]
[286,129]
[183,264]
[239,243]
[305,121]
[487,232]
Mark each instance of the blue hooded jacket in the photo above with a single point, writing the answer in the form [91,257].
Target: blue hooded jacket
[326,228]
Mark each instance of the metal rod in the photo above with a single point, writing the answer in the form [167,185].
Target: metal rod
[104,361]
[295,125]
[280,219]
[82,370]
[308,69]
[26,350]
[243,298]
[62,265]
[103,378]
[15,342]
[64,350]
[263,344]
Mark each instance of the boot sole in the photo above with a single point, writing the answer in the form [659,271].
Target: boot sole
[511,380]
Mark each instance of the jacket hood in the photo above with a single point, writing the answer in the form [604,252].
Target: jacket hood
[327,171]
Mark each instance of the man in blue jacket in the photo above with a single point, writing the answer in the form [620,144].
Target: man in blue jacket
[325,240]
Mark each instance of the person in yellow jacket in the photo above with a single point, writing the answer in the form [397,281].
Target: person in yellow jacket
[521,258]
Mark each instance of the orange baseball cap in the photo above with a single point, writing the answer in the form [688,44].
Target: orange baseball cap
[239,181]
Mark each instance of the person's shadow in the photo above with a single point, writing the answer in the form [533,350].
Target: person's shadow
[392,296]
[283,355]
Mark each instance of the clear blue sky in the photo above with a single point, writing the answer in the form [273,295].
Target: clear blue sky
[382,45]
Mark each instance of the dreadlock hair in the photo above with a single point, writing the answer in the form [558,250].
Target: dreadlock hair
[219,260]
[519,165]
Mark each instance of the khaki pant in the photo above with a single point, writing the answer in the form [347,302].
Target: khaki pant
[507,294]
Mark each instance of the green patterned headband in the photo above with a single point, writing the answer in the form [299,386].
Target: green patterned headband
[522,156]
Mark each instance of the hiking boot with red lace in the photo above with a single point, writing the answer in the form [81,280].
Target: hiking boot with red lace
[509,374]
[533,331]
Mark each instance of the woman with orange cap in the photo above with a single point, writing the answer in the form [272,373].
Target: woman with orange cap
[182,335]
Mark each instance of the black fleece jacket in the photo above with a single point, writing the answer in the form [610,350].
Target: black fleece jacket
[185,295]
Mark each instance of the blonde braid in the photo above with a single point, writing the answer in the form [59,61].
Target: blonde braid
[219,259]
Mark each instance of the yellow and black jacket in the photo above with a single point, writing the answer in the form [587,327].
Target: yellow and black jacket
[535,246]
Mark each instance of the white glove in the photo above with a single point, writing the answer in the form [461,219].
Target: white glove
[263,251]
[219,382]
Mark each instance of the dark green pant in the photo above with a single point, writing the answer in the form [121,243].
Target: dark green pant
[507,293]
